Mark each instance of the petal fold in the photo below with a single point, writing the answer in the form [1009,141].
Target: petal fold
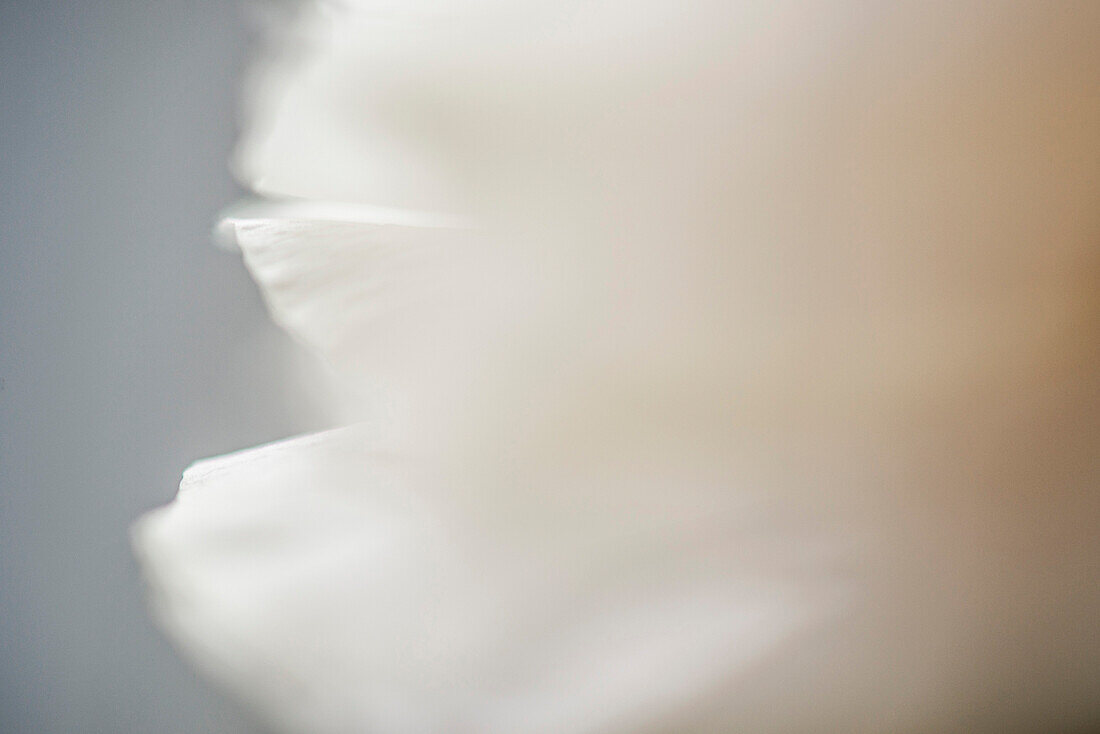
[334,590]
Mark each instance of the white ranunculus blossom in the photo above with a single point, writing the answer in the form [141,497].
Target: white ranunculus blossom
[727,367]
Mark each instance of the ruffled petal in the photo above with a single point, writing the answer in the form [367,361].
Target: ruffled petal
[343,279]
[336,590]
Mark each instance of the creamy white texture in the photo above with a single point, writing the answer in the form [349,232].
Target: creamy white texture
[735,362]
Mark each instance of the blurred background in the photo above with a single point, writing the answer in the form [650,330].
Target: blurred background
[129,344]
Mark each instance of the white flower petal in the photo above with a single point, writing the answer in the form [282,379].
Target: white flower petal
[794,236]
[341,278]
[338,591]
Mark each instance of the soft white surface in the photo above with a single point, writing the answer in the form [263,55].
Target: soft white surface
[337,589]
[744,378]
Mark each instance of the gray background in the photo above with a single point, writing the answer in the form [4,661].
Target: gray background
[129,345]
